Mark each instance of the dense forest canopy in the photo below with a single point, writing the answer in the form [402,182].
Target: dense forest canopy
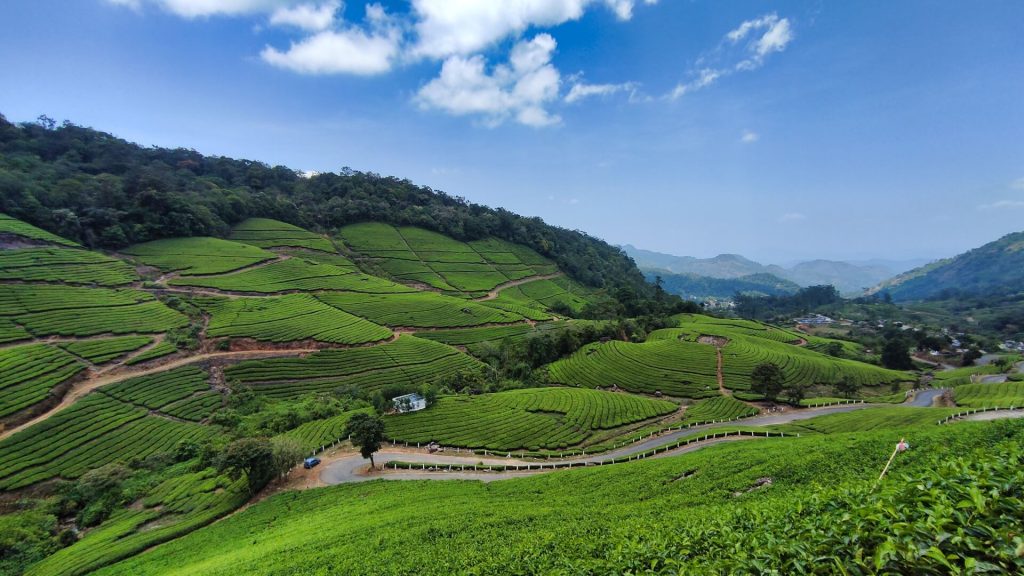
[105,192]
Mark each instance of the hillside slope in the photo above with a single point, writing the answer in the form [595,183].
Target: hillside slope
[996,268]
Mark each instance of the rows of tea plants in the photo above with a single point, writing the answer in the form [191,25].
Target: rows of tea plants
[287,318]
[541,295]
[95,431]
[162,349]
[267,233]
[294,274]
[313,435]
[154,391]
[79,311]
[417,309]
[1002,395]
[196,407]
[675,368]
[718,409]
[67,265]
[417,255]
[742,354]
[408,361]
[541,418]
[102,350]
[176,506]
[729,327]
[11,332]
[16,227]
[198,255]
[867,419]
[29,373]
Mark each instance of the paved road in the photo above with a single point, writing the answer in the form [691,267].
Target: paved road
[993,379]
[995,415]
[353,468]
[925,398]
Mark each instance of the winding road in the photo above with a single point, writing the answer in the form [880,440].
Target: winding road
[344,468]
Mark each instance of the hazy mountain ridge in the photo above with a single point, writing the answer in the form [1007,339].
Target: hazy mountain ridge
[693,286]
[995,268]
[848,277]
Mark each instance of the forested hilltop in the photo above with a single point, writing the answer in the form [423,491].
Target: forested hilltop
[105,192]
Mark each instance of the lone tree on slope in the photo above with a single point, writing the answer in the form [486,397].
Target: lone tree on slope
[366,432]
[767,379]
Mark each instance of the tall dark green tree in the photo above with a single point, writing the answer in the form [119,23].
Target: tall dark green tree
[768,380]
[253,457]
[896,355]
[367,433]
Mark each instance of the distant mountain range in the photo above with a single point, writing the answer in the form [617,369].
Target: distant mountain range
[995,268]
[695,287]
[850,278]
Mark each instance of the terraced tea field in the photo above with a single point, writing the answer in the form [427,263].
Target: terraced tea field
[408,361]
[15,227]
[294,274]
[534,419]
[199,255]
[682,369]
[1001,395]
[266,233]
[718,409]
[65,265]
[313,435]
[29,373]
[287,318]
[534,299]
[96,430]
[103,350]
[412,254]
[45,310]
[418,309]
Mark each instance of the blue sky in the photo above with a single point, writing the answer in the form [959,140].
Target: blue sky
[780,131]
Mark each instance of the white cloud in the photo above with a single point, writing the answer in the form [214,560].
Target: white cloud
[462,27]
[313,17]
[1002,205]
[198,8]
[1017,184]
[350,50]
[730,56]
[705,78]
[792,217]
[132,4]
[581,90]
[520,89]
[749,137]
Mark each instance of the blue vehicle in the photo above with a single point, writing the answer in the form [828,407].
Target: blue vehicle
[310,462]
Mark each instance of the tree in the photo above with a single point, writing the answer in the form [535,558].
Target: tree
[253,457]
[767,379]
[834,349]
[367,433]
[895,355]
[846,387]
[970,356]
[796,392]
[287,452]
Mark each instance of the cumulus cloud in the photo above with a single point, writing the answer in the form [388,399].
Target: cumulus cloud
[520,89]
[742,49]
[313,17]
[349,49]
[462,27]
[199,8]
[792,217]
[749,137]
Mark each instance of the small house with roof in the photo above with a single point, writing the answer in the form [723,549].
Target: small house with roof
[408,403]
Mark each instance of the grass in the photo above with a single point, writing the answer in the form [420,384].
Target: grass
[294,274]
[408,361]
[419,309]
[65,265]
[45,310]
[29,373]
[267,233]
[534,419]
[106,349]
[16,227]
[895,418]
[198,255]
[707,512]
[287,318]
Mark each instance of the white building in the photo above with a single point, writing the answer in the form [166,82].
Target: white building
[409,403]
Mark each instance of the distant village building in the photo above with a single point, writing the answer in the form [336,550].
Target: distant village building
[816,320]
[409,403]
